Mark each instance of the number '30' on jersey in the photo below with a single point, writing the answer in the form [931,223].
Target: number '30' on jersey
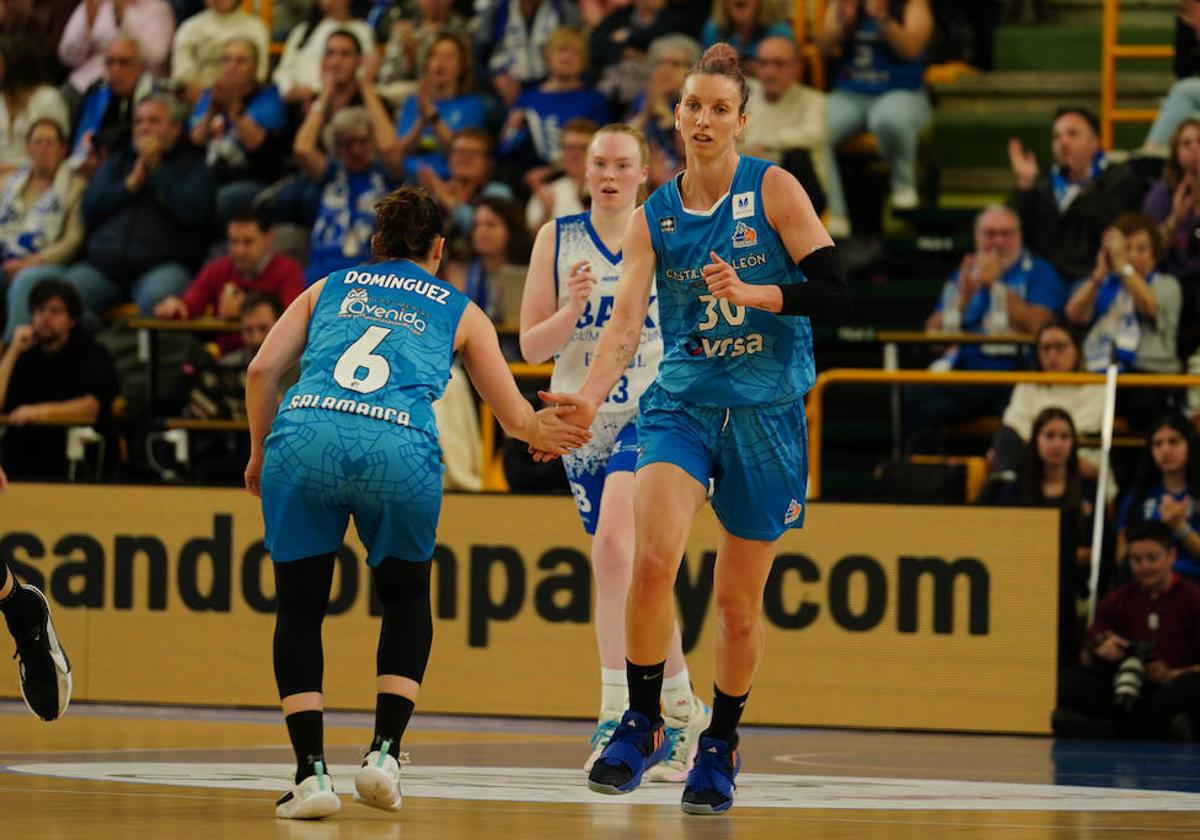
[716,353]
[380,345]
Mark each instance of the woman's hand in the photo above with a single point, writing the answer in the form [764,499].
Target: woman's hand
[253,475]
[580,282]
[553,435]
[1173,513]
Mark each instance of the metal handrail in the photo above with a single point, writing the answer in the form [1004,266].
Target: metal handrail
[1110,52]
[816,397]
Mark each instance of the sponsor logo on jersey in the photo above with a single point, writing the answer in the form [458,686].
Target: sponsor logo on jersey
[744,236]
[794,510]
[667,224]
[743,205]
[732,346]
[357,304]
[684,275]
[600,315]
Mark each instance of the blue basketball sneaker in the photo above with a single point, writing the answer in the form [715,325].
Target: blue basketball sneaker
[710,784]
[636,745]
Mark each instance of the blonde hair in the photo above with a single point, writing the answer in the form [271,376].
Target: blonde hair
[638,137]
[567,36]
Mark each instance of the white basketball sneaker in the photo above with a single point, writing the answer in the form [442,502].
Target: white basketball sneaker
[683,733]
[377,782]
[312,799]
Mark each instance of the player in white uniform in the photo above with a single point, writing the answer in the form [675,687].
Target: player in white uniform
[568,298]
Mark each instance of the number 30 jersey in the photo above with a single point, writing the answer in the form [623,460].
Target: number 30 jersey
[715,353]
[576,240]
[380,345]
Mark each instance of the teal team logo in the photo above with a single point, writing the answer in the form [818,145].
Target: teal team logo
[744,236]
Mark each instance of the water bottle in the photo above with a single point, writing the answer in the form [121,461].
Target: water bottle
[951,316]
[998,308]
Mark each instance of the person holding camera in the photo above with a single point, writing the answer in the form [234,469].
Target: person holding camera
[1139,671]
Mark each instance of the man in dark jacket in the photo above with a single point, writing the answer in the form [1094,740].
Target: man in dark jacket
[149,212]
[1064,211]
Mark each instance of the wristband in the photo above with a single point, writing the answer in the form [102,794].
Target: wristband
[1182,533]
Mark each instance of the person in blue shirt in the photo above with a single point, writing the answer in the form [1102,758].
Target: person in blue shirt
[356,437]
[443,103]
[240,125]
[532,135]
[1165,489]
[352,180]
[743,24]
[737,262]
[1030,295]
[878,86]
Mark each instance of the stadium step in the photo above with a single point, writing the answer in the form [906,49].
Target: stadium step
[1133,12]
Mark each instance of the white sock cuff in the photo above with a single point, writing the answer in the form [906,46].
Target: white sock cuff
[612,676]
[679,682]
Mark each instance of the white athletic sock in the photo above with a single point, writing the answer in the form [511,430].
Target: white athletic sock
[614,695]
[677,696]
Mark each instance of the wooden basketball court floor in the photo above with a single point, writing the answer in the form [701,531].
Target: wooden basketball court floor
[157,772]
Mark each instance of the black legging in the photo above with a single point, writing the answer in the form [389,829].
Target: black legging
[302,593]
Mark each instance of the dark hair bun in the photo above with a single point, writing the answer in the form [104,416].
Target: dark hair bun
[721,55]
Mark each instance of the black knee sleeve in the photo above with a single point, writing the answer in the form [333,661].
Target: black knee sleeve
[406,634]
[302,596]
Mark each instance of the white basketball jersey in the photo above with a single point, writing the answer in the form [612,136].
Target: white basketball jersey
[575,240]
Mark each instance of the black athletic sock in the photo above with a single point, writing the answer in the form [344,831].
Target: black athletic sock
[392,713]
[726,714]
[645,688]
[22,609]
[306,729]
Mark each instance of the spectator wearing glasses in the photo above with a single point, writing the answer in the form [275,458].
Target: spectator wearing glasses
[97,23]
[744,24]
[653,111]
[789,124]
[240,124]
[1056,350]
[999,288]
[352,180]
[470,179]
[562,191]
[106,117]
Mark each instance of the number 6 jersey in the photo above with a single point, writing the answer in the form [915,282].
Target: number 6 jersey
[576,240]
[715,353]
[380,345]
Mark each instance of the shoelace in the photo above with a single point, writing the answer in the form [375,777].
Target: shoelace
[404,759]
[603,733]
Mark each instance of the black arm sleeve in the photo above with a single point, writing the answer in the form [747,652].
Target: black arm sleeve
[826,296]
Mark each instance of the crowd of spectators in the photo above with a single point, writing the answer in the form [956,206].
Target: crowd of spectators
[159,154]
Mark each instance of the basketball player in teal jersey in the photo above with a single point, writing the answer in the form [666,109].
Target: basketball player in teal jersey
[43,667]
[740,263]
[568,299]
[356,436]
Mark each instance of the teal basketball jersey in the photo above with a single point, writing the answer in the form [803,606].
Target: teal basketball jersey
[380,346]
[715,353]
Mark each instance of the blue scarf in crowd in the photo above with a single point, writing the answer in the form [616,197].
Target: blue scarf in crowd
[1067,191]
[1115,332]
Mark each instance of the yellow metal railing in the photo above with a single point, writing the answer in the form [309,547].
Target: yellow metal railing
[1110,53]
[803,32]
[816,397]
